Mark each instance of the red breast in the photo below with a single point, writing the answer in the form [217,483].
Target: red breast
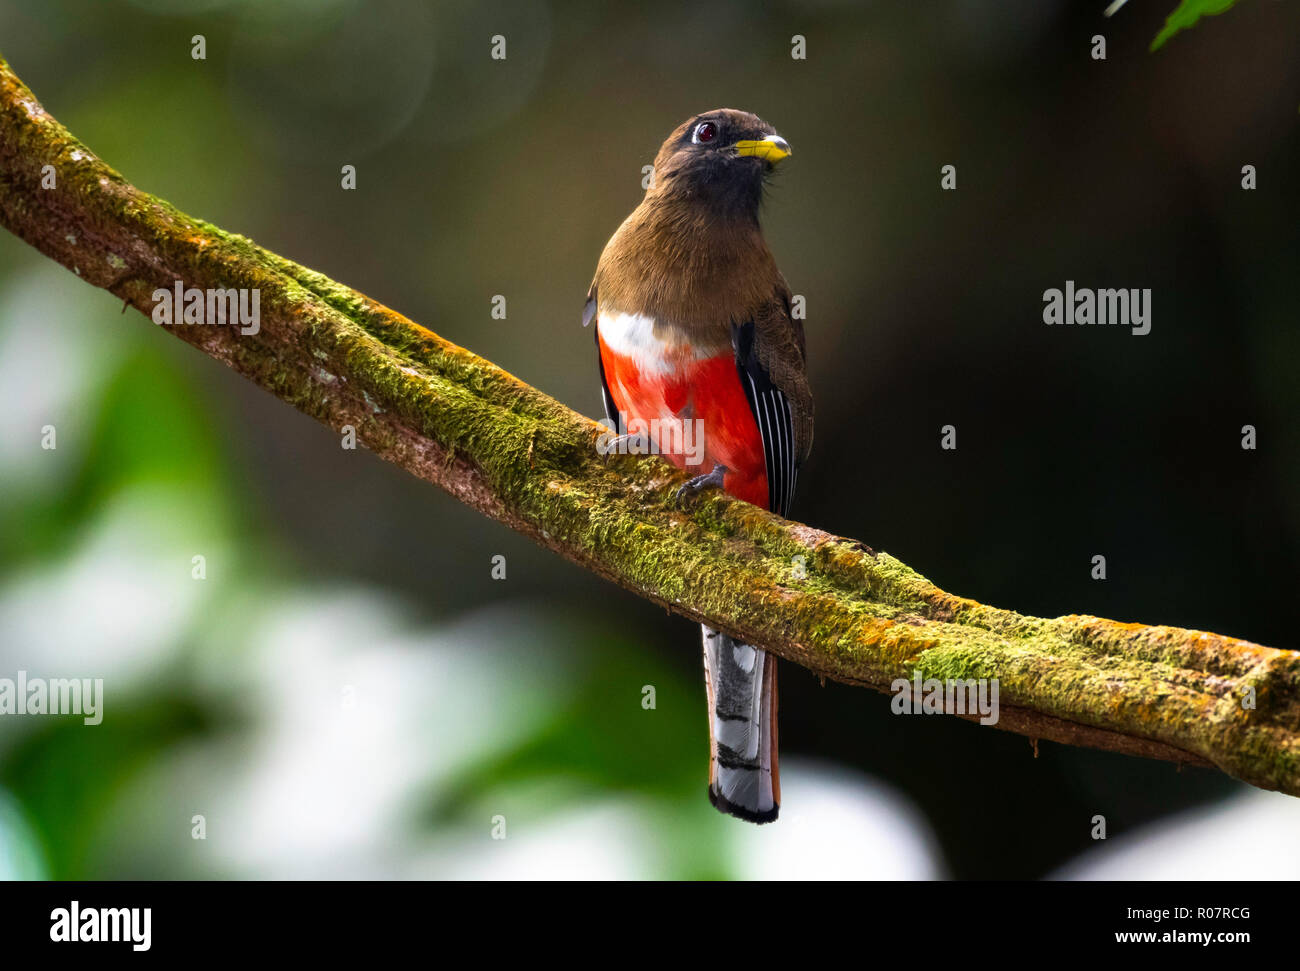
[693,396]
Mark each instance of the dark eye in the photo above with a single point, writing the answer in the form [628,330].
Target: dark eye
[705,131]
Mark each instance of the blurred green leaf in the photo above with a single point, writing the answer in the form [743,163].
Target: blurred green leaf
[602,743]
[67,774]
[150,428]
[20,854]
[1186,16]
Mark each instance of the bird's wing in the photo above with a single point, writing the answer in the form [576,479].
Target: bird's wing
[588,315]
[770,359]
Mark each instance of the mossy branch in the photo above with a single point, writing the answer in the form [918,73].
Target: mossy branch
[500,446]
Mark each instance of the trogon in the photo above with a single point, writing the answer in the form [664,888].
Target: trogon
[698,345]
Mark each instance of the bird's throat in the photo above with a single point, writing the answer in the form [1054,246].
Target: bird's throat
[687,265]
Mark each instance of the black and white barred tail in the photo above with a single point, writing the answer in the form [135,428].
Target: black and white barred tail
[741,682]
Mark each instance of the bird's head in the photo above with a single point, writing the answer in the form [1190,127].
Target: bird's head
[720,158]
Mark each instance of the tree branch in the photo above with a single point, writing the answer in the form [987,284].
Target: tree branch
[514,454]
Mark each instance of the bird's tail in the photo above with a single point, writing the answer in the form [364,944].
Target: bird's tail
[741,682]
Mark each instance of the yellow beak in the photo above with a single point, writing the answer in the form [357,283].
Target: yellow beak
[771,149]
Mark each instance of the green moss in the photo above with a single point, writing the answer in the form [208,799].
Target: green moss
[956,662]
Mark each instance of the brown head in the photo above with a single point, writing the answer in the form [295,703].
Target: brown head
[692,255]
[719,158]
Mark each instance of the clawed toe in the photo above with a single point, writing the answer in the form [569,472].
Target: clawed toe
[633,444]
[710,480]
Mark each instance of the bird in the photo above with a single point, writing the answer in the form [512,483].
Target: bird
[695,331]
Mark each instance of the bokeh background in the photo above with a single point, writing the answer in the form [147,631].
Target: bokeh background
[349,693]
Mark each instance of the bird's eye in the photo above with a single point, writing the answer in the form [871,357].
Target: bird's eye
[705,131]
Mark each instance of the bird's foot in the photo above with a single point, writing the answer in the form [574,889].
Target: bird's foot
[710,480]
[634,444]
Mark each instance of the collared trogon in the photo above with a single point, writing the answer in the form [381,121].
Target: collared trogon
[695,335]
